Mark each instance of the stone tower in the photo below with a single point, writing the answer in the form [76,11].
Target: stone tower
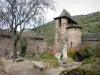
[62,23]
[73,36]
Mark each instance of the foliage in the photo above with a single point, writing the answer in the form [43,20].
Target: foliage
[49,59]
[76,71]
[83,50]
[95,50]
[82,47]
[80,53]
[88,72]
[51,62]
[71,52]
[77,57]
[85,54]
[91,64]
[23,43]
[69,60]
[90,22]
[89,60]
[47,55]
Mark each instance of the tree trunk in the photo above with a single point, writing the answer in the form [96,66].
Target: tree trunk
[15,42]
[15,52]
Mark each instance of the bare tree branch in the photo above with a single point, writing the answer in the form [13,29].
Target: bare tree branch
[22,13]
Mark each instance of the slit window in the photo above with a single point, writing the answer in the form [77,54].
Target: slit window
[60,22]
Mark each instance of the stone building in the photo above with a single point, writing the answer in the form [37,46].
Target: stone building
[67,33]
[93,39]
[5,42]
[35,42]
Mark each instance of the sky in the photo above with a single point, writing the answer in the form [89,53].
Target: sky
[74,7]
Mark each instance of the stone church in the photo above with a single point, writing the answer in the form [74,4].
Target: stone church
[67,31]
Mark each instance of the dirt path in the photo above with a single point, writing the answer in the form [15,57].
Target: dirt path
[53,71]
[21,68]
[26,68]
[57,71]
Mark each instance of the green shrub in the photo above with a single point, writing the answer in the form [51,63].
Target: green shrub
[23,43]
[49,59]
[76,71]
[95,50]
[69,60]
[91,64]
[85,54]
[71,52]
[51,62]
[79,71]
[78,57]
[88,72]
[89,60]
[47,55]
[64,72]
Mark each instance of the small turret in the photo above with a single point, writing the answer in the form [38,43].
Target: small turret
[74,36]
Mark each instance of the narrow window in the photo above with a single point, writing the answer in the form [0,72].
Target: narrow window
[60,22]
[71,43]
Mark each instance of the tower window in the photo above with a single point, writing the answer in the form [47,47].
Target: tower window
[70,22]
[71,43]
[59,22]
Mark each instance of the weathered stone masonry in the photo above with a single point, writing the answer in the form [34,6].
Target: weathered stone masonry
[67,33]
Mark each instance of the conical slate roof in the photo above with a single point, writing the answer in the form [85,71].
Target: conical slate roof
[66,14]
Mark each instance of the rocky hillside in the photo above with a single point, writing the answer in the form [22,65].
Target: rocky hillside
[89,23]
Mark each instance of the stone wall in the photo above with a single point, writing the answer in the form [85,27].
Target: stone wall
[57,35]
[6,45]
[36,45]
[92,43]
[74,37]
[61,33]
[93,39]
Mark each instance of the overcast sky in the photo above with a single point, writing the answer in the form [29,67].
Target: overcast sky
[74,7]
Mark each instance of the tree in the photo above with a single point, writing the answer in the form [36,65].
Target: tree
[20,14]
